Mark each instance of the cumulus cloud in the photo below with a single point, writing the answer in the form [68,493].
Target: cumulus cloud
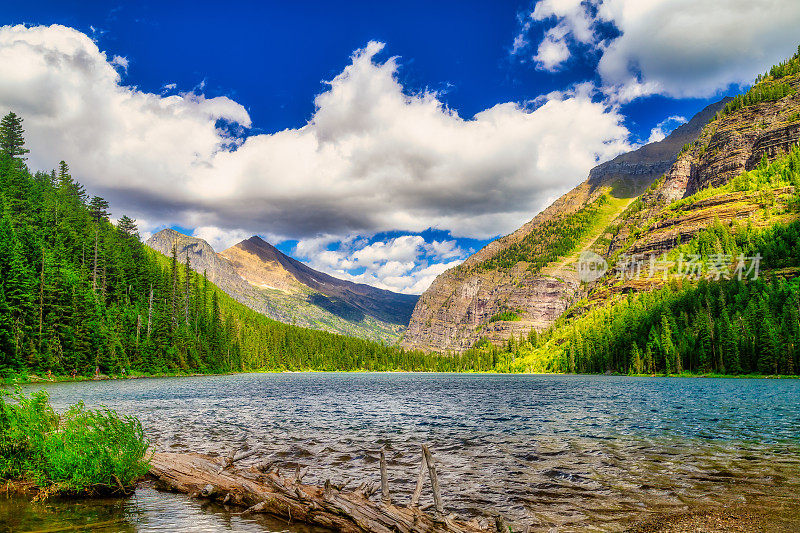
[220,239]
[678,48]
[574,23]
[372,158]
[406,264]
[665,127]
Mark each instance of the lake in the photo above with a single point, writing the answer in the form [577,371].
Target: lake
[578,452]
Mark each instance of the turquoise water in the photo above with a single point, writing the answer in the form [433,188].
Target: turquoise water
[578,452]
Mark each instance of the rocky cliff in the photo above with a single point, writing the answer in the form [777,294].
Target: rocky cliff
[503,289]
[258,275]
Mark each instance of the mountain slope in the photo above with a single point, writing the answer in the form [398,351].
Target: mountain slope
[705,265]
[259,262]
[258,275]
[525,280]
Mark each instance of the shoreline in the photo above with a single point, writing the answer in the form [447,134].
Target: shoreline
[33,379]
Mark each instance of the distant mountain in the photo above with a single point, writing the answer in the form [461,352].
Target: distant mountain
[264,266]
[260,276]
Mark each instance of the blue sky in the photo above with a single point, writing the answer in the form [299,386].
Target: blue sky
[378,141]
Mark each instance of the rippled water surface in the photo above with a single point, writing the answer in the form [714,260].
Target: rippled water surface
[578,452]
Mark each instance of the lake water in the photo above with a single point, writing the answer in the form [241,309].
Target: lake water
[573,452]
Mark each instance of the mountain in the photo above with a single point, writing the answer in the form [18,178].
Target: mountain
[703,262]
[527,279]
[260,276]
[263,265]
[716,241]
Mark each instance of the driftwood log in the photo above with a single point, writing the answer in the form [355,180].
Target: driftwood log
[261,490]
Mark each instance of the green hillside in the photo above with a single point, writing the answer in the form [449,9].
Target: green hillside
[712,324]
[79,293]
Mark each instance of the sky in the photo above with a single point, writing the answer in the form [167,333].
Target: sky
[381,142]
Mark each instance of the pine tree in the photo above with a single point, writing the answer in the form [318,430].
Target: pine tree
[127,227]
[69,189]
[704,342]
[636,359]
[766,340]
[98,208]
[187,291]
[648,359]
[216,326]
[8,356]
[672,366]
[12,142]
[728,346]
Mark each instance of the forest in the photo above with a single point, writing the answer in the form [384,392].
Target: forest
[81,295]
[550,240]
[766,87]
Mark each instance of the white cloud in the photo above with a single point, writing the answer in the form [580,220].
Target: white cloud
[406,264]
[220,239]
[372,158]
[121,62]
[678,48]
[574,23]
[552,52]
[665,127]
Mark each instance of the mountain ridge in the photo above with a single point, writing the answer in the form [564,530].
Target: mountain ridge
[260,276]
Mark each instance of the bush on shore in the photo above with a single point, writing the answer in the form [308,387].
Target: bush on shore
[81,452]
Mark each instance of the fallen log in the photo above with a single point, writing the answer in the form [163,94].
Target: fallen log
[268,492]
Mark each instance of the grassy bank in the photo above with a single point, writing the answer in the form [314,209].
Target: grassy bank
[25,378]
[32,379]
[79,452]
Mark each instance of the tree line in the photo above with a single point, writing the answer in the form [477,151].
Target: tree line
[80,293]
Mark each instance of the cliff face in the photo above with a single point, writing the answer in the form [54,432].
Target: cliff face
[470,301]
[258,275]
[735,143]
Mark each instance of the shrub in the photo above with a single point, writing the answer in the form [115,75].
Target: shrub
[507,316]
[82,452]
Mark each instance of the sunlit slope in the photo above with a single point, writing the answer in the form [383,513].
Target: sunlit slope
[527,276]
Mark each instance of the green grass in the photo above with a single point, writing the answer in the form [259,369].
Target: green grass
[81,452]
[507,316]
[559,237]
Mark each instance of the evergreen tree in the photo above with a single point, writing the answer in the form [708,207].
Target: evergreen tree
[636,359]
[12,142]
[8,355]
[127,227]
[672,365]
[704,342]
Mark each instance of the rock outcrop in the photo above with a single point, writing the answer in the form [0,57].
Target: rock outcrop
[735,143]
[730,145]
